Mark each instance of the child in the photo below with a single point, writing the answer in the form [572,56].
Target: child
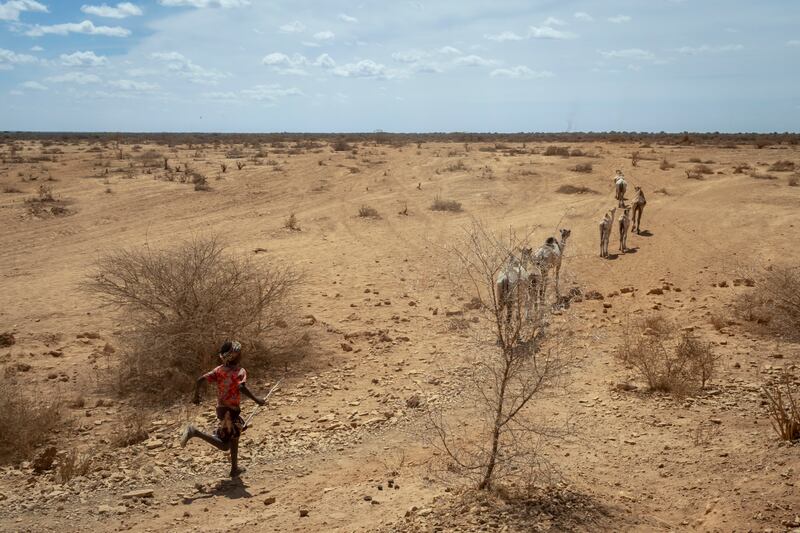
[231,380]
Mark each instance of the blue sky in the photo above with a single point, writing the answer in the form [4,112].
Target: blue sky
[464,65]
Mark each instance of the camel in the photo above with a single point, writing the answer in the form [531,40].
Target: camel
[638,207]
[620,186]
[624,226]
[548,257]
[605,231]
[516,278]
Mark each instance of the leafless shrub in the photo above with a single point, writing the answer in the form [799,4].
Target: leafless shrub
[150,158]
[703,169]
[694,175]
[341,146]
[180,303]
[761,176]
[366,211]
[456,167]
[223,167]
[668,363]
[783,404]
[562,151]
[240,165]
[515,368]
[774,302]
[666,165]
[582,167]
[441,204]
[718,321]
[131,429]
[200,182]
[10,189]
[635,158]
[741,168]
[793,181]
[575,189]
[27,422]
[291,223]
[782,166]
[71,465]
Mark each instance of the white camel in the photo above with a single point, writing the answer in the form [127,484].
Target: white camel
[605,231]
[620,187]
[638,204]
[624,227]
[548,257]
[517,279]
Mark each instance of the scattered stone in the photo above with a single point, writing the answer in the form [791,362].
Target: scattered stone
[303,513]
[269,500]
[414,401]
[347,347]
[367,498]
[656,290]
[139,493]
[7,339]
[44,459]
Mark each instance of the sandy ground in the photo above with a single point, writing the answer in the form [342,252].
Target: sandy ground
[339,427]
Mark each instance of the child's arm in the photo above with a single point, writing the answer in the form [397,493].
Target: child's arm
[196,394]
[243,388]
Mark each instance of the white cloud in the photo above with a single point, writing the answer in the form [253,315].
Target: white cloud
[410,56]
[793,42]
[521,72]
[204,3]
[183,67]
[10,10]
[546,32]
[83,59]
[285,64]
[123,10]
[619,19]
[8,59]
[347,18]
[310,44]
[37,49]
[325,61]
[366,68]
[86,27]
[139,72]
[293,27]
[326,35]
[131,85]
[34,85]
[707,49]
[582,15]
[553,21]
[80,78]
[449,50]
[15,92]
[629,53]
[474,61]
[259,93]
[503,36]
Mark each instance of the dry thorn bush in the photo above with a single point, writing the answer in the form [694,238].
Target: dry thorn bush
[179,304]
[291,223]
[774,302]
[582,167]
[575,189]
[783,403]
[73,464]
[441,204]
[27,422]
[366,211]
[668,362]
[131,429]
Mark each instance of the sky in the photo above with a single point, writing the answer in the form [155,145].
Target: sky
[400,66]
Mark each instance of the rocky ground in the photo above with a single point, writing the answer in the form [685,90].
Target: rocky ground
[343,445]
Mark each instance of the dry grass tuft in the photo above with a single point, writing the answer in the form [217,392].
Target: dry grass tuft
[666,165]
[782,166]
[760,176]
[562,151]
[291,223]
[783,403]
[131,429]
[27,422]
[440,204]
[575,189]
[774,302]
[582,167]
[366,211]
[73,464]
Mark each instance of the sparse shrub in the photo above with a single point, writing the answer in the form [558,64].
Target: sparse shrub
[366,211]
[341,146]
[668,364]
[73,464]
[456,167]
[562,151]
[150,158]
[440,204]
[577,152]
[291,223]
[635,158]
[695,160]
[182,302]
[200,182]
[718,321]
[703,169]
[10,189]
[109,190]
[240,165]
[666,165]
[45,194]
[223,167]
[582,167]
[694,175]
[760,176]
[27,422]
[741,168]
[793,181]
[774,302]
[131,429]
[573,189]
[783,404]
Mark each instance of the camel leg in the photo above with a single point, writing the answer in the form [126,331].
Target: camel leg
[639,224]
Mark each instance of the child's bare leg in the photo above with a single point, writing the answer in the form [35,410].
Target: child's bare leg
[211,439]
[235,470]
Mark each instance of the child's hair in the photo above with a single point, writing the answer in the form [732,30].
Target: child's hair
[230,352]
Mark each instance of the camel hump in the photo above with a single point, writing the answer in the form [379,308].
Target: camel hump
[550,240]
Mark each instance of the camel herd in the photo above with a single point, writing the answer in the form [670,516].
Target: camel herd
[630,220]
[529,273]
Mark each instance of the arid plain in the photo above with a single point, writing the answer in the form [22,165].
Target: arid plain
[385,324]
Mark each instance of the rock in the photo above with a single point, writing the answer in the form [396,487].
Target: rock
[44,460]
[303,513]
[367,498]
[606,305]
[656,290]
[626,290]
[139,493]
[108,349]
[269,500]
[153,444]
[413,401]
[425,512]
[105,509]
[7,339]
[347,347]
[22,367]
[593,295]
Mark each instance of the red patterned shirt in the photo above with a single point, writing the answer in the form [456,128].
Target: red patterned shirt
[228,379]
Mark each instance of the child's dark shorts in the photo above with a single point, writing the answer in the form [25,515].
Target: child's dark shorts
[230,423]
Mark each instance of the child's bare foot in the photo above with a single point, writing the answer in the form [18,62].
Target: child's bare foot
[237,471]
